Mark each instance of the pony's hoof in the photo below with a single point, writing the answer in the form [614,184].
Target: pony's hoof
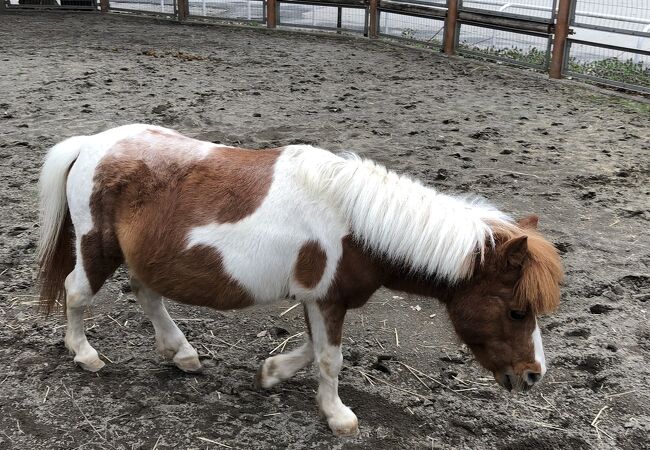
[189,364]
[258,380]
[344,429]
[92,365]
[263,380]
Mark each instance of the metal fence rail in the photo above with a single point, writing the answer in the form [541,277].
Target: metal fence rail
[607,41]
[49,4]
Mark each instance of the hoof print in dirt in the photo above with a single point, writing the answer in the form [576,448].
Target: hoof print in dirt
[278,332]
[563,247]
[379,364]
[457,358]
[600,309]
[578,332]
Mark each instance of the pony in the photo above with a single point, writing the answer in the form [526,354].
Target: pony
[225,227]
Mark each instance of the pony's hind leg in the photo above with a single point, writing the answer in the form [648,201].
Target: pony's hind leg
[170,340]
[78,296]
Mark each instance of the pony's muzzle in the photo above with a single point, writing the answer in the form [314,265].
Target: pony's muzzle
[516,383]
[531,377]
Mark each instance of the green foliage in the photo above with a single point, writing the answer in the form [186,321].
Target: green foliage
[626,71]
[408,33]
[533,56]
[614,69]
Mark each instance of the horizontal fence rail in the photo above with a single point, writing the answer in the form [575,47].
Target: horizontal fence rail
[606,41]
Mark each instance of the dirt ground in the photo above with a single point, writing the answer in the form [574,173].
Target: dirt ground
[578,157]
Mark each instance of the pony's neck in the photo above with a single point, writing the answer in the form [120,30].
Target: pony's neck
[399,279]
[391,215]
[361,272]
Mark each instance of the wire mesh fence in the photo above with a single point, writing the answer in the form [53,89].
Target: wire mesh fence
[167,7]
[517,48]
[530,8]
[509,46]
[239,10]
[355,19]
[322,17]
[610,64]
[415,29]
[619,15]
[611,43]
[614,66]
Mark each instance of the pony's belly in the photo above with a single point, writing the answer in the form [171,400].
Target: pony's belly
[195,276]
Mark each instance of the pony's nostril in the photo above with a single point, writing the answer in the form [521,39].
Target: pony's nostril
[532,377]
[507,382]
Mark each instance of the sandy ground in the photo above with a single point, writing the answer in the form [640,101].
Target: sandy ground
[575,156]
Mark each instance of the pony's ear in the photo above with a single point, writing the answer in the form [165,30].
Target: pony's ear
[515,251]
[529,222]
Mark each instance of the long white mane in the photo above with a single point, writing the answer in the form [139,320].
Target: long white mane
[397,217]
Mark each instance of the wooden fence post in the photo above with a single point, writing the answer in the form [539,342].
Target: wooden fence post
[451,27]
[271,13]
[183,9]
[560,38]
[103,5]
[373,18]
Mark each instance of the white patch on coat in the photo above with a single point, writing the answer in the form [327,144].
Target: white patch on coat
[539,349]
[260,251]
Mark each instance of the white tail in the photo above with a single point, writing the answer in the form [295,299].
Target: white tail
[52,192]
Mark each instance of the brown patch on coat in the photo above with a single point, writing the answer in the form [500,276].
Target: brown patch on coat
[55,266]
[358,276]
[149,193]
[310,264]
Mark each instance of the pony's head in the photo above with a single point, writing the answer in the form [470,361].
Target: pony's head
[495,311]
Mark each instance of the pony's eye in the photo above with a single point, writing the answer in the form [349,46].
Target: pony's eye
[517,314]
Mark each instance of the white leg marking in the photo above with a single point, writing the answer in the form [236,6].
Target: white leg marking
[78,296]
[539,349]
[282,367]
[170,340]
[340,418]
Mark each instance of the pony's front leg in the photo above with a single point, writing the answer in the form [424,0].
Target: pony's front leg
[282,367]
[170,340]
[326,325]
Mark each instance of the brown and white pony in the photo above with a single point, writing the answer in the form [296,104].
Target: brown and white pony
[225,227]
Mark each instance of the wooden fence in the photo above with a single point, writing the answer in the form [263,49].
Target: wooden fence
[553,33]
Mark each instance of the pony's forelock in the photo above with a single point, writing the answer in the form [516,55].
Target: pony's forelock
[538,287]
